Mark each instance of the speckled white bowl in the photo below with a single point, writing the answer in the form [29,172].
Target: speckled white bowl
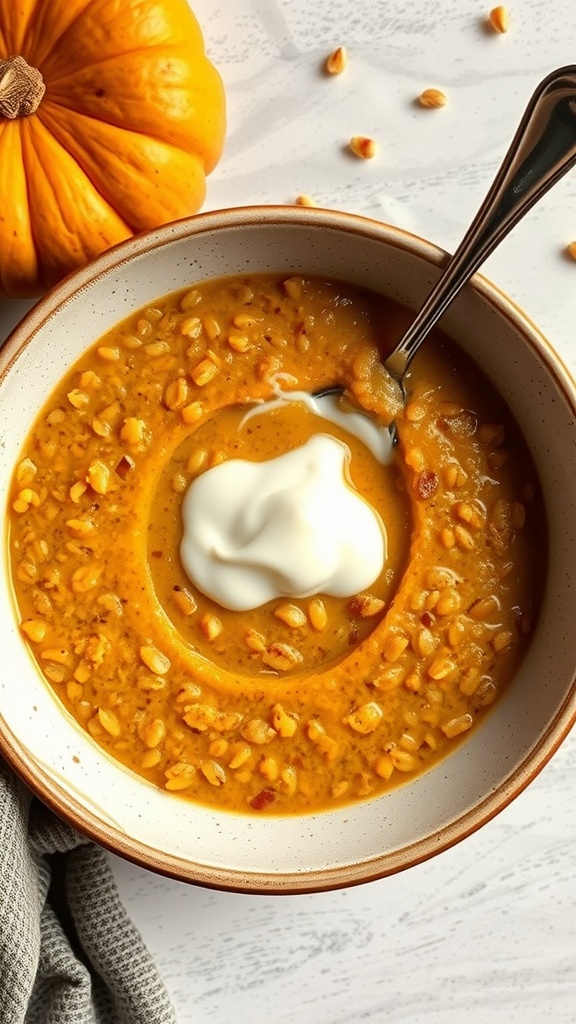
[267,854]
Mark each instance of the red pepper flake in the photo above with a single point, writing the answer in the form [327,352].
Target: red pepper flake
[426,484]
[124,466]
[263,799]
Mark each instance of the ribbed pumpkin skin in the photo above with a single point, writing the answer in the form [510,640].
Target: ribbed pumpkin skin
[132,120]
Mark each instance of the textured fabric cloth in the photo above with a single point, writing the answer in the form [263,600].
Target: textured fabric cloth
[69,954]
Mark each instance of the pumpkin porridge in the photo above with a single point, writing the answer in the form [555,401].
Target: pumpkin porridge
[248,595]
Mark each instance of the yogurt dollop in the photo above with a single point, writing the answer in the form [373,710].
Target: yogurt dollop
[292,526]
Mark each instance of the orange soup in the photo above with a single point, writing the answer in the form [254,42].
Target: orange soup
[316,686]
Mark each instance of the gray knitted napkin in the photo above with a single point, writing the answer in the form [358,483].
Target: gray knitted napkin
[69,954]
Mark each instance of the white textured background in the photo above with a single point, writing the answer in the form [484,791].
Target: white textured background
[487,931]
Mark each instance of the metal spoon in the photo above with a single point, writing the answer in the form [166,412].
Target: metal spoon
[542,150]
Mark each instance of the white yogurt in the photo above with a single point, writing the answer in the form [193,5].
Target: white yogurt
[292,526]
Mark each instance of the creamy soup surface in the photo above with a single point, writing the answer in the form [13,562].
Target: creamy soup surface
[247,595]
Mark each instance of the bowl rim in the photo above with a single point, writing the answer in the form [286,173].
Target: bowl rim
[86,821]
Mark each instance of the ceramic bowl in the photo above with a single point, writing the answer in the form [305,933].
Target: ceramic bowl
[421,818]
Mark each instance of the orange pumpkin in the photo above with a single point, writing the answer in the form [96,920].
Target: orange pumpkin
[111,116]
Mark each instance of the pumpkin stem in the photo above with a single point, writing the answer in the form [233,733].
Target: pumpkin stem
[21,88]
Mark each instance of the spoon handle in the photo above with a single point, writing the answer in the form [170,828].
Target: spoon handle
[542,150]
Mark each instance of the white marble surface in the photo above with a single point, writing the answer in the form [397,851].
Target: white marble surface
[487,930]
